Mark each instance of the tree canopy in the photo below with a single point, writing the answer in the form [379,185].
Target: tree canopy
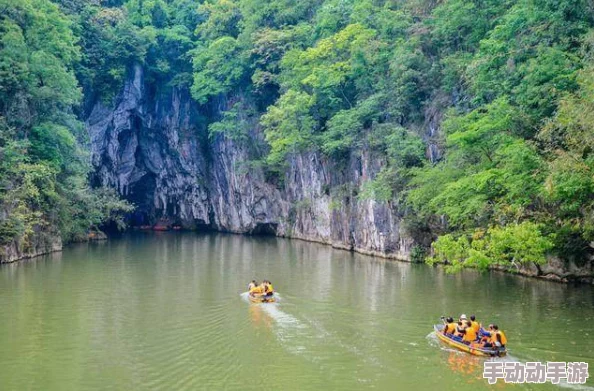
[44,165]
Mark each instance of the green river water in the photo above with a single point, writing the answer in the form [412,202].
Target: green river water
[164,311]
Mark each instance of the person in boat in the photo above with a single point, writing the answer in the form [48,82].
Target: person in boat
[257,290]
[464,320]
[464,333]
[474,324]
[268,290]
[462,324]
[252,285]
[449,326]
[496,337]
[470,335]
[485,334]
[460,330]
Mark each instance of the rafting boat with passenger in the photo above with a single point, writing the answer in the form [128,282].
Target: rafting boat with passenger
[261,293]
[474,348]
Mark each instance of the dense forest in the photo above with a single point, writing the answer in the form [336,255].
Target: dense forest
[506,88]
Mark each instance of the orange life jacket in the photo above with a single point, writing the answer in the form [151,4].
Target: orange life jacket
[470,335]
[257,290]
[476,326]
[449,328]
[501,335]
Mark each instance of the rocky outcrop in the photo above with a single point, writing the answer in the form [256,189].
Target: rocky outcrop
[560,270]
[149,149]
[37,243]
[240,199]
[325,206]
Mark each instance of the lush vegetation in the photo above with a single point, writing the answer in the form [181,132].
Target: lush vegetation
[43,163]
[509,84]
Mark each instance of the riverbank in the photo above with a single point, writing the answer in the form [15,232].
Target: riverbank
[555,269]
[40,243]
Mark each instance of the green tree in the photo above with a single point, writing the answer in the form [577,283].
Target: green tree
[217,68]
[288,125]
[44,167]
[510,247]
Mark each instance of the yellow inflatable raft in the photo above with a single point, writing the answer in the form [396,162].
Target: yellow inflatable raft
[261,298]
[473,348]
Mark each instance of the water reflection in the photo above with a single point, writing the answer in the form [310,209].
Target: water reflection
[470,366]
[259,318]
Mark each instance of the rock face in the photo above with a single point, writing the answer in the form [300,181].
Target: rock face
[150,151]
[38,243]
[562,271]
[154,148]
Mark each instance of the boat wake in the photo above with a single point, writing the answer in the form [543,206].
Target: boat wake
[435,342]
[308,338]
[283,319]
[272,310]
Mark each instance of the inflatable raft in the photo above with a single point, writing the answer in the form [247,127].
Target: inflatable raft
[261,298]
[473,348]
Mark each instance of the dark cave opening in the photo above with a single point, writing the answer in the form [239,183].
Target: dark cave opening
[141,194]
[264,229]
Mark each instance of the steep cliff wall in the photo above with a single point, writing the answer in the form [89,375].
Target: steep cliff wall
[154,148]
[149,149]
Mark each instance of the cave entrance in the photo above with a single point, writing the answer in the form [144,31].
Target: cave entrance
[264,229]
[141,194]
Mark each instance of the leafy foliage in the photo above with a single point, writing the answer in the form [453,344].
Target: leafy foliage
[506,246]
[217,68]
[289,125]
[43,167]
[487,173]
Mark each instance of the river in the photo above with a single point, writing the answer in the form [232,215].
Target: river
[165,311]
